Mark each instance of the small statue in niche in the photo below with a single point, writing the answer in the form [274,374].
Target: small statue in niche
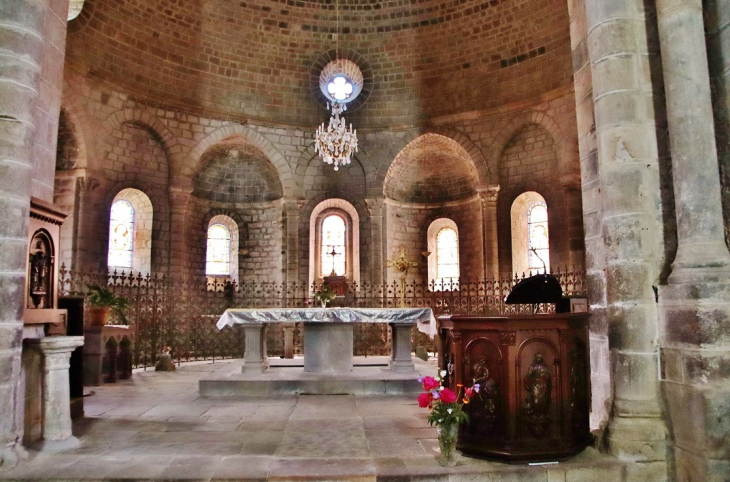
[40,265]
[538,385]
[484,410]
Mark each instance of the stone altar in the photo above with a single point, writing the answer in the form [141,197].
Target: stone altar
[328,334]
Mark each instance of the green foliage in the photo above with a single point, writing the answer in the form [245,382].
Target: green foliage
[325,294]
[100,297]
[441,416]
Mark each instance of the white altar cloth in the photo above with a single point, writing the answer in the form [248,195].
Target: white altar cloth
[422,317]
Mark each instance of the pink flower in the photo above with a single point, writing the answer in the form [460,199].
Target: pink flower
[430,383]
[424,400]
[468,393]
[447,396]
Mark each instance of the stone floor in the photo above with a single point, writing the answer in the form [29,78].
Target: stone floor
[156,427]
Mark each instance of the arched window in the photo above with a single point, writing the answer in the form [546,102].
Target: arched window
[218,253]
[530,231]
[443,262]
[121,235]
[334,245]
[447,256]
[538,244]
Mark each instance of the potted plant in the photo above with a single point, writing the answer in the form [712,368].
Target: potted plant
[325,295]
[104,302]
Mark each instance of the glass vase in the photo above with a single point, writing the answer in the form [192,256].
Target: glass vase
[324,303]
[447,444]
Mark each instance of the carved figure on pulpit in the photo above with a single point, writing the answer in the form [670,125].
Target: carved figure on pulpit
[538,386]
[484,408]
[40,267]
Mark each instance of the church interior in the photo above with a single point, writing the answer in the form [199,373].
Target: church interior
[486,140]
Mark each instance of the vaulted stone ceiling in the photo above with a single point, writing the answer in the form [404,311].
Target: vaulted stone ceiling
[252,59]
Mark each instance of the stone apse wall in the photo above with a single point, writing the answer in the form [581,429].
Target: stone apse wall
[564,98]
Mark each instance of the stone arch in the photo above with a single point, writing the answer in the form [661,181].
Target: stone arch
[171,147]
[76,119]
[249,136]
[515,126]
[478,159]
[430,179]
[311,171]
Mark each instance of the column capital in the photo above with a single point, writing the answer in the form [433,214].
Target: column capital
[489,193]
[375,205]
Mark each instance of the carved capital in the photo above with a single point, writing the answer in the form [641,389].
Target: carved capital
[488,194]
[374,206]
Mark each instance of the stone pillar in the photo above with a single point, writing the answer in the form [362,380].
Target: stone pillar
[574,207]
[180,199]
[254,355]
[289,341]
[696,302]
[328,347]
[621,191]
[401,360]
[488,196]
[56,351]
[21,31]
[292,209]
[376,209]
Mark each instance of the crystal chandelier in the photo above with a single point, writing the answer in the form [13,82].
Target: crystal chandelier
[336,143]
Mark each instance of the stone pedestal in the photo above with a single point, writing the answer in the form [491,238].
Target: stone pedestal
[56,352]
[254,356]
[327,347]
[402,346]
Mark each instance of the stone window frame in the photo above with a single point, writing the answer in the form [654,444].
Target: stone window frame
[520,232]
[348,212]
[142,228]
[232,226]
[434,229]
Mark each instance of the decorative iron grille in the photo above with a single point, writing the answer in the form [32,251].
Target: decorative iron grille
[182,313]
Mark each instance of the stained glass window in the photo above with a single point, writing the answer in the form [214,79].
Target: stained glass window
[447,257]
[218,254]
[333,238]
[121,235]
[538,246]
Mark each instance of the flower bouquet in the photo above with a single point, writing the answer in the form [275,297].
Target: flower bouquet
[325,295]
[447,412]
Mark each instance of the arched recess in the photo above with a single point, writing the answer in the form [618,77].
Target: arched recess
[351,217]
[431,169]
[319,178]
[71,145]
[233,247]
[433,260]
[485,173]
[519,216]
[236,133]
[141,233]
[567,160]
[155,127]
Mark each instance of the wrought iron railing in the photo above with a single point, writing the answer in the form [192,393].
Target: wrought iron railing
[181,313]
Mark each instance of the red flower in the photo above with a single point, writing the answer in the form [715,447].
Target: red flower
[447,396]
[468,393]
[424,399]
[430,383]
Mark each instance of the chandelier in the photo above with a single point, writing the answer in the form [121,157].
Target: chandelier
[336,143]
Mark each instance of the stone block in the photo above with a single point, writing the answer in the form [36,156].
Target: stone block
[632,327]
[638,439]
[635,383]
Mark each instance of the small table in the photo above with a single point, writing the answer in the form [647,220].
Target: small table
[328,334]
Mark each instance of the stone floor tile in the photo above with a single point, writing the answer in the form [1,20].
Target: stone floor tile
[352,470]
[243,467]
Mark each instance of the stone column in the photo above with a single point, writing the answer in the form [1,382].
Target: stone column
[401,360]
[292,209]
[56,351]
[574,206]
[254,355]
[626,231]
[376,209]
[21,31]
[180,199]
[488,196]
[696,302]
